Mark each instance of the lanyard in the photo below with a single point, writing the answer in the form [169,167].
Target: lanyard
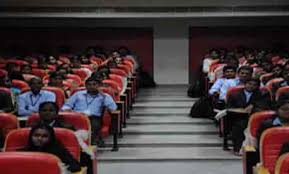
[88,103]
[36,101]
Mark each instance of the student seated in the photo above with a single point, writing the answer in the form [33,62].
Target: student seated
[14,71]
[92,103]
[29,102]
[285,82]
[281,119]
[244,73]
[245,100]
[48,113]
[42,139]
[56,80]
[229,72]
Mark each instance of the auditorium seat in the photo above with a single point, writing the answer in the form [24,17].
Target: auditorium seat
[270,144]
[250,155]
[20,84]
[8,122]
[39,72]
[282,164]
[281,92]
[29,163]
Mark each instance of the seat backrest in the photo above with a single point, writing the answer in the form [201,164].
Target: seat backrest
[20,84]
[281,91]
[112,83]
[76,119]
[6,90]
[28,77]
[81,73]
[96,60]
[270,83]
[39,72]
[110,91]
[282,165]
[74,77]
[29,163]
[59,94]
[77,89]
[256,119]
[125,67]
[264,76]
[3,71]
[270,144]
[8,122]
[18,139]
[118,71]
[232,90]
[18,62]
[117,79]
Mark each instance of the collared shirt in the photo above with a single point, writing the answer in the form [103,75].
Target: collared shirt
[29,103]
[226,85]
[217,86]
[90,105]
[248,95]
[277,122]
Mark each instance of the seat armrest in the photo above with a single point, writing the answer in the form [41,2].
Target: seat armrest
[250,158]
[260,169]
[82,171]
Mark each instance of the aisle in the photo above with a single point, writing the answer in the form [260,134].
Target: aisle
[161,138]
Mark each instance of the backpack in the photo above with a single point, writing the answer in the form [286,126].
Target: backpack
[194,90]
[202,108]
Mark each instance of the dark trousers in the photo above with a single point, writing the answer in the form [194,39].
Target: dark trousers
[85,161]
[238,123]
[96,123]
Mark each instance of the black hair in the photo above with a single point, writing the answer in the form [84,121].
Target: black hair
[54,74]
[33,79]
[256,80]
[98,81]
[247,68]
[229,67]
[53,104]
[52,138]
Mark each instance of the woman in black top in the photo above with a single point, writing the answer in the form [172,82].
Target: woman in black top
[42,139]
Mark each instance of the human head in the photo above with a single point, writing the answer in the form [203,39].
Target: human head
[84,59]
[283,110]
[41,136]
[64,69]
[277,70]
[35,85]
[52,60]
[92,85]
[56,79]
[267,66]
[26,69]
[75,62]
[229,71]
[252,84]
[214,54]
[250,58]
[48,111]
[244,73]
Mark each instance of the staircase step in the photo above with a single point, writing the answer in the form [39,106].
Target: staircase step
[170,129]
[160,111]
[166,97]
[173,104]
[171,167]
[170,119]
[165,154]
[168,141]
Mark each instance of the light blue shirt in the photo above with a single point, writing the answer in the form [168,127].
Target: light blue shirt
[277,121]
[226,85]
[29,103]
[248,95]
[217,86]
[90,105]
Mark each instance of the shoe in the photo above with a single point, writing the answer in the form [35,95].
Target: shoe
[100,143]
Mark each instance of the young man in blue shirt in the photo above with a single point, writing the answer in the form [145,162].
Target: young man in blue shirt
[92,103]
[29,102]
